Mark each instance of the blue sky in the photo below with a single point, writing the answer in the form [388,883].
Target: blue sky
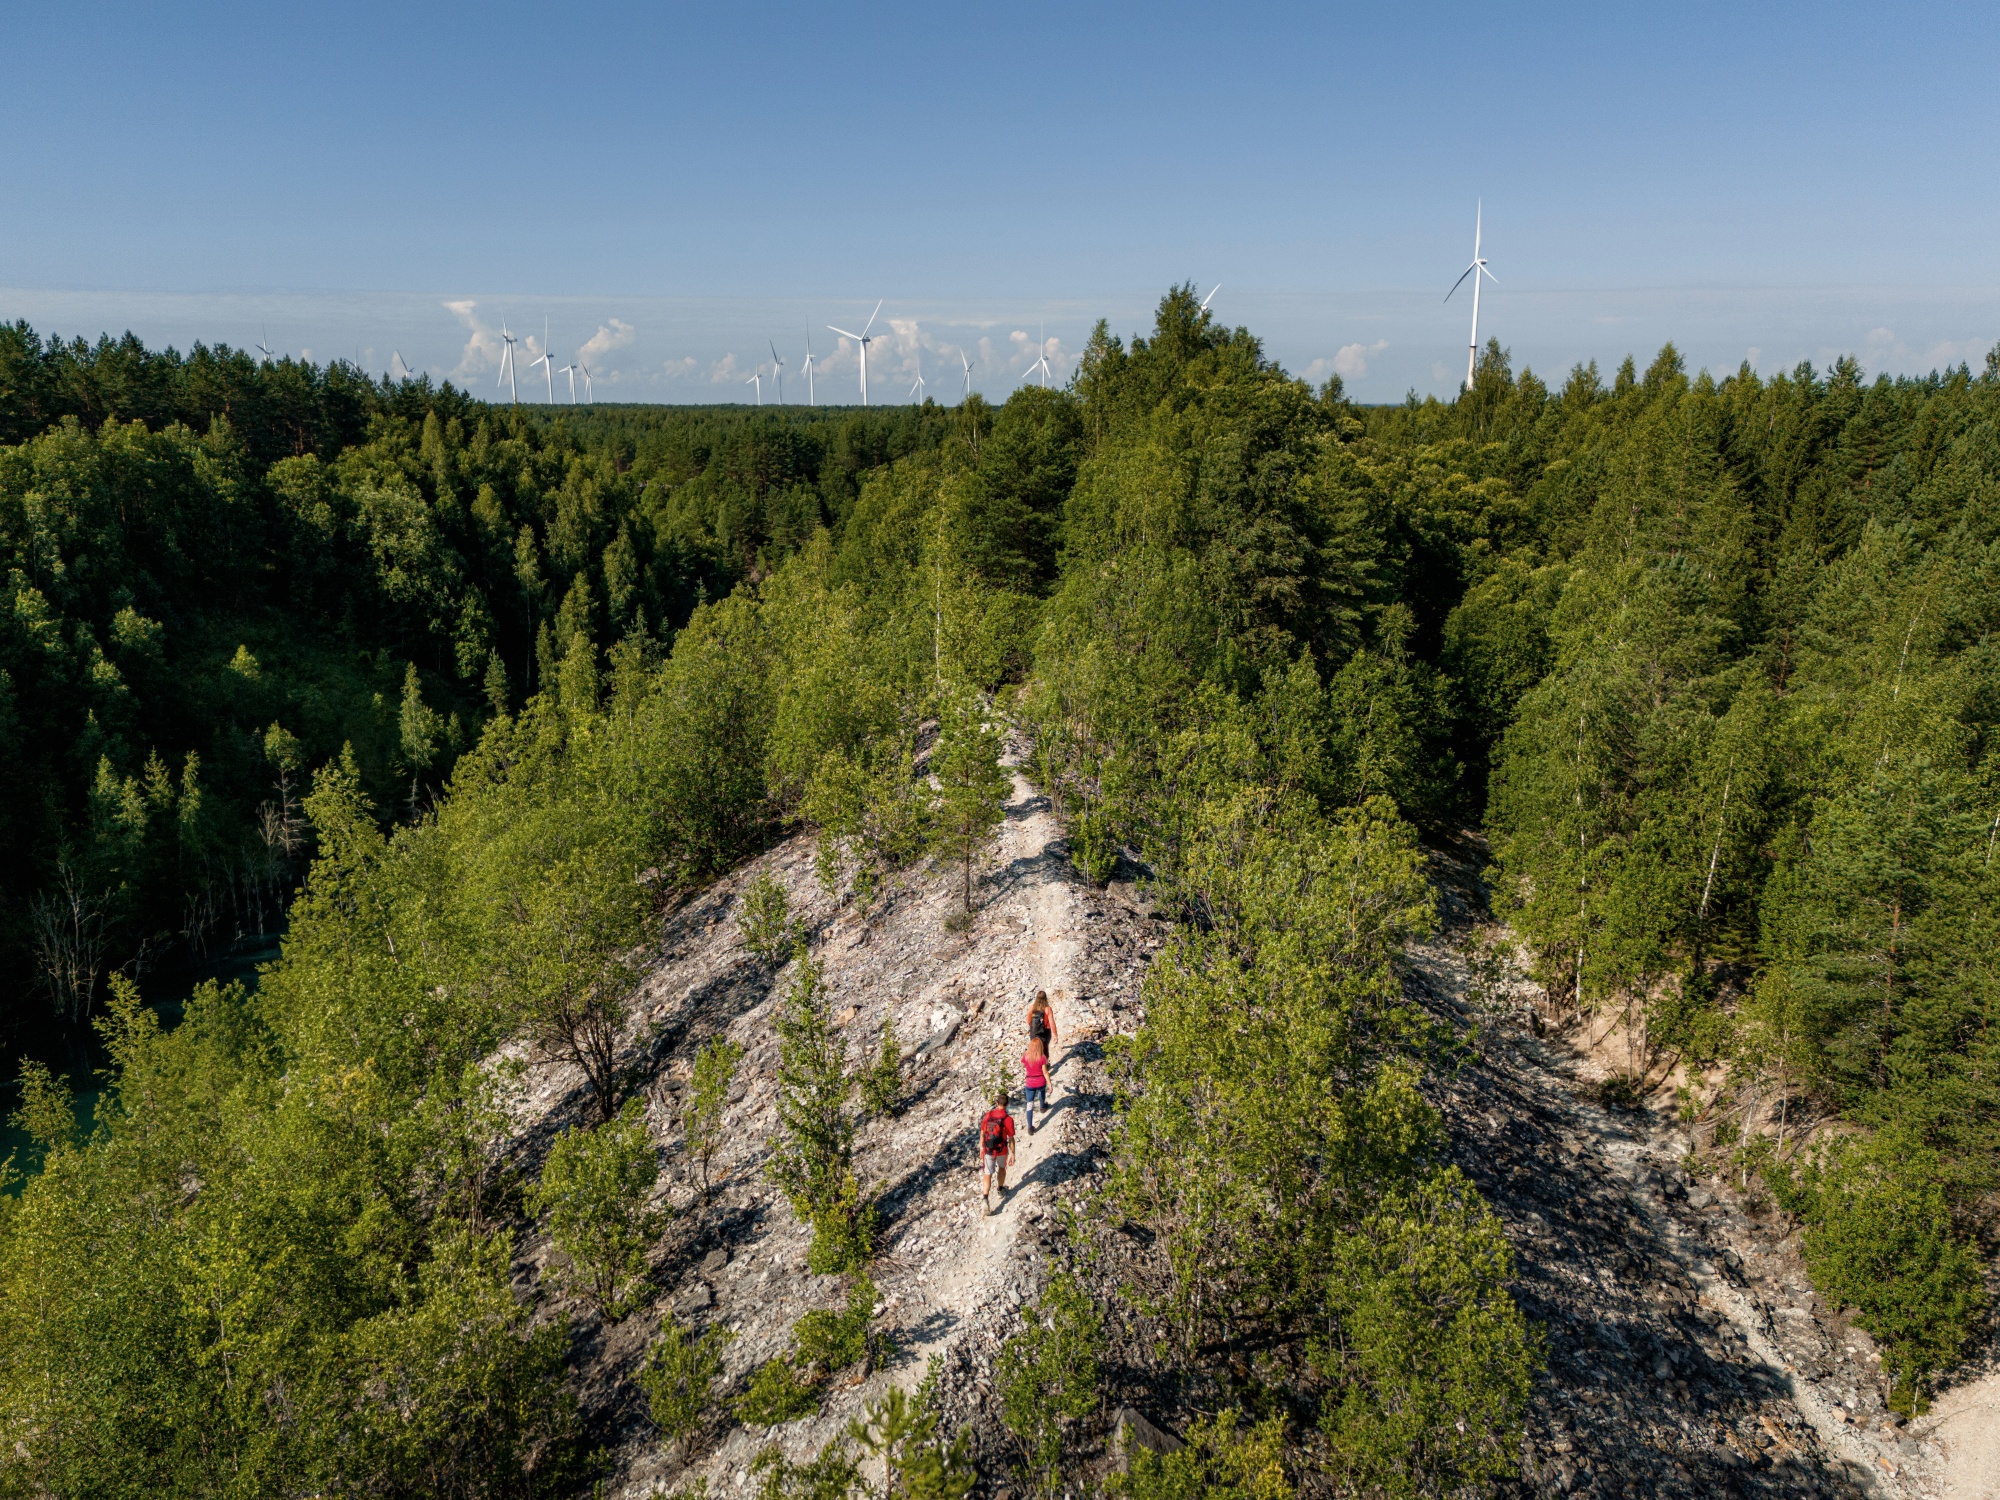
[674,186]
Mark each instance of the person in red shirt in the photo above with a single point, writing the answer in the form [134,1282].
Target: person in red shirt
[1036,1066]
[996,1148]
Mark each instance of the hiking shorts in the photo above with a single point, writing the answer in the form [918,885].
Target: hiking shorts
[992,1161]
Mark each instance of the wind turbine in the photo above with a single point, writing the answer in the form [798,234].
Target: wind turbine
[779,362]
[589,390]
[570,370]
[1041,360]
[810,401]
[757,379]
[1211,293]
[917,385]
[263,348]
[1476,270]
[966,389]
[507,343]
[548,365]
[396,358]
[864,341]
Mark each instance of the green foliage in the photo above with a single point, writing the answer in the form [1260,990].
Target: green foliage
[680,1373]
[1047,1376]
[593,1194]
[813,1162]
[1432,1364]
[1092,849]
[824,1342]
[47,1115]
[776,1394]
[882,1083]
[1217,1462]
[902,1435]
[831,1474]
[972,784]
[768,929]
[1709,654]
[844,1228]
[453,1394]
[1880,1239]
[708,1095]
[1267,1098]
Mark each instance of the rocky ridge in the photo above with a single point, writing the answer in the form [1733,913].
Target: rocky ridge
[1687,1354]
[951,1278]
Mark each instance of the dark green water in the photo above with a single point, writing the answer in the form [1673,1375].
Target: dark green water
[166,989]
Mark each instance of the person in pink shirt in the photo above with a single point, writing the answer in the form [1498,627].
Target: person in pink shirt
[1036,1066]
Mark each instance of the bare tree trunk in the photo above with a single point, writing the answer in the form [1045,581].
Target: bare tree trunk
[68,925]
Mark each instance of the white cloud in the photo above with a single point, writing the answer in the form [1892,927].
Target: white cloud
[482,347]
[677,369]
[1753,354]
[617,334]
[1351,360]
[725,371]
[1885,352]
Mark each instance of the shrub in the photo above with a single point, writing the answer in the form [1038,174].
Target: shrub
[708,1095]
[776,1394]
[593,1192]
[1047,1374]
[813,1163]
[1879,1239]
[1216,1463]
[680,1373]
[1433,1362]
[766,923]
[882,1084]
[916,1465]
[1092,849]
[831,1474]
[827,1342]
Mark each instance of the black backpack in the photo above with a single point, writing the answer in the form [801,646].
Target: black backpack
[993,1132]
[1038,1025]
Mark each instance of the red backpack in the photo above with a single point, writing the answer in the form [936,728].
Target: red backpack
[993,1131]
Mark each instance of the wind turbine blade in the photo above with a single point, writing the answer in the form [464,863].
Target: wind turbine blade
[1461,279]
[871,318]
[1488,274]
[1211,295]
[843,332]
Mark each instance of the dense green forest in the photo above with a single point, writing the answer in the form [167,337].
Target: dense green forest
[1708,661]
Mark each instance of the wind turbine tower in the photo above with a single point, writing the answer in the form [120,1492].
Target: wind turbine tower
[1041,360]
[507,343]
[917,385]
[810,400]
[1476,270]
[758,381]
[548,365]
[864,341]
[780,364]
[589,390]
[966,389]
[570,370]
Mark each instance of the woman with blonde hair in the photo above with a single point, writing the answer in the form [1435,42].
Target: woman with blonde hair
[1042,1022]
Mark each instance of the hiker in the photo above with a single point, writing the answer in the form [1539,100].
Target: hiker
[996,1148]
[1035,1065]
[1042,1023]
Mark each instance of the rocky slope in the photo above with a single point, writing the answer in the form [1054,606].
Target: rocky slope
[1687,1352]
[950,1276]
[1687,1355]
